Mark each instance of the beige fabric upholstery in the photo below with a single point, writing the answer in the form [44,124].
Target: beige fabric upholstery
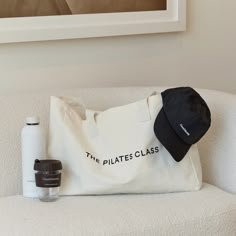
[209,211]
[206,212]
[217,148]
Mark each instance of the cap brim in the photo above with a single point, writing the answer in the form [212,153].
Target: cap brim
[168,137]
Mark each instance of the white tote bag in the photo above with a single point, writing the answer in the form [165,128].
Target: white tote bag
[116,150]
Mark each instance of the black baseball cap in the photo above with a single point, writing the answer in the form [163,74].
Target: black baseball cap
[182,121]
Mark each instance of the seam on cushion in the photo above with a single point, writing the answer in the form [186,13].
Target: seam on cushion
[182,223]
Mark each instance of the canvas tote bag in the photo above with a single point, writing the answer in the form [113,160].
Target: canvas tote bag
[116,150]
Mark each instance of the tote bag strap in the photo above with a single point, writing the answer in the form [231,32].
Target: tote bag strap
[77,107]
[143,109]
[143,112]
[90,123]
[89,116]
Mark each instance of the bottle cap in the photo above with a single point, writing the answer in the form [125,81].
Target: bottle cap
[47,165]
[46,176]
[32,120]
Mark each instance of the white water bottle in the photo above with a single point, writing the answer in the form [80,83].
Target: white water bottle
[33,146]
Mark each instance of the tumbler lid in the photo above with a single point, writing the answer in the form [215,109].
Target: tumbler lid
[47,165]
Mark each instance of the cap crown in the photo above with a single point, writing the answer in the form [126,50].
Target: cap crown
[187,113]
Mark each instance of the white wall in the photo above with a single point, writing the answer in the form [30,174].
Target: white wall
[204,56]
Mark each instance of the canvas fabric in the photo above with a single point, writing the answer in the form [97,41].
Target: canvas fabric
[116,151]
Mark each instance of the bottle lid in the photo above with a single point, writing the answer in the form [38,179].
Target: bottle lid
[32,120]
[47,165]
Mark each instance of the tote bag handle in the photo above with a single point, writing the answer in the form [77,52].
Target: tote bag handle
[89,116]
[142,109]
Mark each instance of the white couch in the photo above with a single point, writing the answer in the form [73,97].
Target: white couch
[210,211]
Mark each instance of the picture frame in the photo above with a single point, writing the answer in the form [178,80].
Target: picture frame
[27,29]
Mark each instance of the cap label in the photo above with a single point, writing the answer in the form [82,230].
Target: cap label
[184,129]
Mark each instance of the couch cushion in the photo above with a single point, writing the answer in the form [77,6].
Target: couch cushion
[217,149]
[210,211]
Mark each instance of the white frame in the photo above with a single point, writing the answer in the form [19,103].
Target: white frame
[25,29]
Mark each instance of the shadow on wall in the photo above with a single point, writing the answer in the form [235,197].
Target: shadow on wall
[22,8]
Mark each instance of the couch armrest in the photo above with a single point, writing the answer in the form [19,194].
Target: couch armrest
[218,147]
